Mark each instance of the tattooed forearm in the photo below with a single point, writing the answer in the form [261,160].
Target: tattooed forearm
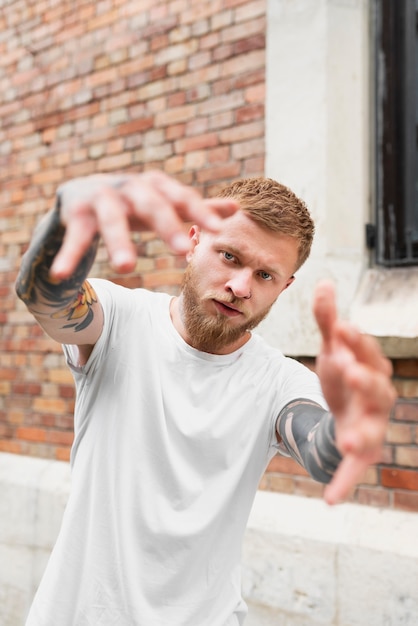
[78,313]
[307,431]
[34,284]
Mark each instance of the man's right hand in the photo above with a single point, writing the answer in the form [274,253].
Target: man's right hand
[114,205]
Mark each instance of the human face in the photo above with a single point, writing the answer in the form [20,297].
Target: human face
[232,280]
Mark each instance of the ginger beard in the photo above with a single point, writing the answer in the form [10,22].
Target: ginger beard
[212,333]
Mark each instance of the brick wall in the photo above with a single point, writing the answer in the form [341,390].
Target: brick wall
[132,85]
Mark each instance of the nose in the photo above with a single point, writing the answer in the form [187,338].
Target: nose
[240,283]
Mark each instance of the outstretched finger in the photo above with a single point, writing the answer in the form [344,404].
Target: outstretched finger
[112,217]
[371,386]
[188,203]
[224,207]
[349,473]
[79,235]
[150,209]
[325,310]
[365,348]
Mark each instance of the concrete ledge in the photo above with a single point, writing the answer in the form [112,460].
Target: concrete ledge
[313,565]
[304,563]
[383,306]
[33,497]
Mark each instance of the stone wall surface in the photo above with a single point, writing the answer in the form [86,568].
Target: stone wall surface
[304,563]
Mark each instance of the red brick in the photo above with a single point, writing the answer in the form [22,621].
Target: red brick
[399,479]
[245,149]
[250,10]
[405,500]
[160,278]
[406,388]
[252,60]
[175,116]
[406,410]
[406,455]
[219,155]
[13,447]
[234,3]
[256,42]
[250,113]
[278,482]
[47,405]
[115,162]
[32,389]
[242,132]
[59,437]
[174,165]
[135,126]
[253,166]
[62,454]
[175,131]
[222,52]
[197,142]
[131,282]
[255,95]
[8,374]
[176,99]
[6,431]
[387,455]
[407,368]
[225,172]
[308,487]
[66,391]
[372,497]
[44,420]
[399,433]
[283,465]
[30,434]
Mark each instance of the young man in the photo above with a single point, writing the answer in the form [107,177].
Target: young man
[179,406]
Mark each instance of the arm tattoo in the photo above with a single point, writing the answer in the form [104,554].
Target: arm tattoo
[70,298]
[308,432]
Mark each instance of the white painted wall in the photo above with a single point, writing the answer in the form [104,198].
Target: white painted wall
[318,138]
[304,563]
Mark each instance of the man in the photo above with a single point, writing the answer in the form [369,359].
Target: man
[179,406]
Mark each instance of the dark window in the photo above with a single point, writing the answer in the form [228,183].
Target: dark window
[396,235]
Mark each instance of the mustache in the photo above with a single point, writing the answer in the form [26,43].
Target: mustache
[236,303]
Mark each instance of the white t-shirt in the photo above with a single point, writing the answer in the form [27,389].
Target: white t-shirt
[170,445]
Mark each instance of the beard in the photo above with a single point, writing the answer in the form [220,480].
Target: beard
[212,333]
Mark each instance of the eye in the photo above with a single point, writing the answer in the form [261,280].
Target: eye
[227,256]
[265,276]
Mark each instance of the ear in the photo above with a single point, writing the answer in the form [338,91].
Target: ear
[194,236]
[289,282]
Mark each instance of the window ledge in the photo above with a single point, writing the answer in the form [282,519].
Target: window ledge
[386,306]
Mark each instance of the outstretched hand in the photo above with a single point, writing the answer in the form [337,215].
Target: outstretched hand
[356,381]
[115,205]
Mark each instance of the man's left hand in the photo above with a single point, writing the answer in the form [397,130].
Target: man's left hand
[356,381]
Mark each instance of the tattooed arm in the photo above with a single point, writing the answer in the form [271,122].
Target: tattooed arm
[307,431]
[66,309]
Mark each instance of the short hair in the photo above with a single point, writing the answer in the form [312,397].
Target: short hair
[275,207]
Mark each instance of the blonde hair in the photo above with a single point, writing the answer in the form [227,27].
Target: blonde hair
[275,207]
